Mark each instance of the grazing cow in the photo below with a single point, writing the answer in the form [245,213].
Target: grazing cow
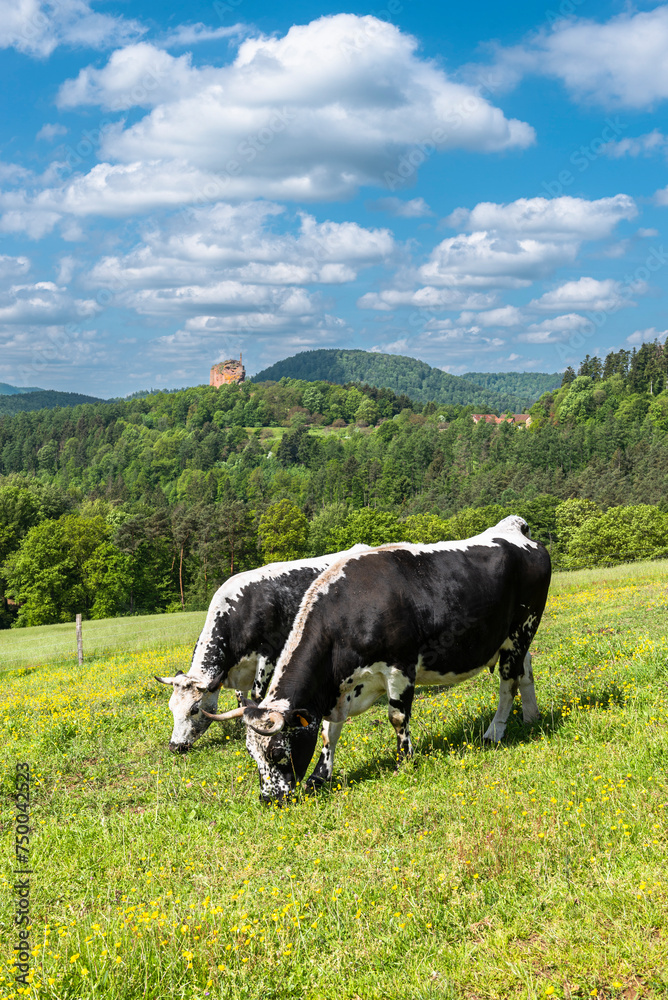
[248,622]
[380,622]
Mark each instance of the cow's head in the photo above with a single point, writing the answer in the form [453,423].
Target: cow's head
[190,696]
[281,743]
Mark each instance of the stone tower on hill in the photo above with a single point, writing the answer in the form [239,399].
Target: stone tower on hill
[227,372]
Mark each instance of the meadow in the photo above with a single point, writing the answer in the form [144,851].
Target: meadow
[534,869]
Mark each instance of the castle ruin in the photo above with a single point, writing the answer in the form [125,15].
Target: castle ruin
[227,372]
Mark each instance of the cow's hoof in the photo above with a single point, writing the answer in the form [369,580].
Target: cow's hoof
[314,784]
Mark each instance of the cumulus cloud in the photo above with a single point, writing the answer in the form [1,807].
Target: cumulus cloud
[642,336]
[484,259]
[641,145]
[42,303]
[50,132]
[508,246]
[427,298]
[619,63]
[328,107]
[555,330]
[12,267]
[37,27]
[588,293]
[563,218]
[234,243]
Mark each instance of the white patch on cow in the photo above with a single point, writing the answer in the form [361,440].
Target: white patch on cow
[187,700]
[364,687]
[242,675]
[530,711]
[281,705]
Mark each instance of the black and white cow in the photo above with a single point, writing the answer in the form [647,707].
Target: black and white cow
[380,622]
[248,622]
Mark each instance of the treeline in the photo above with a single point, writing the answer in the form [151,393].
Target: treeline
[513,391]
[642,371]
[148,504]
[41,399]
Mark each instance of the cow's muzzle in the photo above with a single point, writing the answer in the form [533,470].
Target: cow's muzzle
[180,747]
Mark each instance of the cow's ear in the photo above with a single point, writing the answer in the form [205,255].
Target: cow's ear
[299,718]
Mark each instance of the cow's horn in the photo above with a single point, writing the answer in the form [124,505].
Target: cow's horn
[164,680]
[277,722]
[235,713]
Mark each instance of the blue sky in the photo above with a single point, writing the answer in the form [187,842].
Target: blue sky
[480,186]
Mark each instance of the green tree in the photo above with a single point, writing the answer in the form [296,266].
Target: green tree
[427,529]
[473,520]
[571,514]
[622,534]
[283,532]
[369,526]
[48,575]
[323,527]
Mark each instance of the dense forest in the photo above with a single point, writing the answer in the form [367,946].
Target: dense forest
[148,504]
[41,399]
[514,391]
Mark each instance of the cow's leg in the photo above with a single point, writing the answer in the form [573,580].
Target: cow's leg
[400,692]
[241,698]
[507,690]
[530,711]
[263,674]
[322,772]
[515,675]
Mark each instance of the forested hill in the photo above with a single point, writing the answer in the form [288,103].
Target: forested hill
[41,399]
[16,390]
[414,378]
[149,504]
[529,384]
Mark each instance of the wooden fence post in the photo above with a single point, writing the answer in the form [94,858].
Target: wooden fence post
[80,640]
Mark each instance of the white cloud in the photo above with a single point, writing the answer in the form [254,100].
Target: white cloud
[564,218]
[42,303]
[37,27]
[416,208]
[236,244]
[619,63]
[554,331]
[194,34]
[505,316]
[487,260]
[641,145]
[642,336]
[50,132]
[588,293]
[661,197]
[13,267]
[427,298]
[328,107]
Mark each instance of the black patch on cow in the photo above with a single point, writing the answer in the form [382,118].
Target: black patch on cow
[258,620]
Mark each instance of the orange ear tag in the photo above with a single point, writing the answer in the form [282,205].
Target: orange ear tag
[303,721]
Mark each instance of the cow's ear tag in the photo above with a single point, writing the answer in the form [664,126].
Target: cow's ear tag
[302,720]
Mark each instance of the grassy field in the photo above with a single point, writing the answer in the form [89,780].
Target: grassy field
[32,647]
[535,869]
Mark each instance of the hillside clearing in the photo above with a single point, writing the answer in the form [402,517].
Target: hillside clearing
[534,869]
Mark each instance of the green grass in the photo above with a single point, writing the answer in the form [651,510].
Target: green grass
[51,643]
[535,869]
